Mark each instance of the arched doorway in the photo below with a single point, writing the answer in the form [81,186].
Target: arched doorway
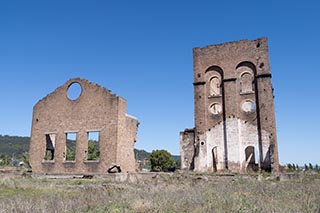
[214,159]
[251,164]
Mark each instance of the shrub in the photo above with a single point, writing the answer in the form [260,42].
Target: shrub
[161,161]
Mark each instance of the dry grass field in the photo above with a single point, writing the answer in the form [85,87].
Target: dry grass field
[175,192]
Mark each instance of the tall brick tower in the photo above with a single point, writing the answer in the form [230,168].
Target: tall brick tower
[235,126]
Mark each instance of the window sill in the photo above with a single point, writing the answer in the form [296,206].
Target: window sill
[48,161]
[69,162]
[91,161]
[247,93]
[214,96]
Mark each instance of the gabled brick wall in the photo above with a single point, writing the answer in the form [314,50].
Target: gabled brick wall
[95,110]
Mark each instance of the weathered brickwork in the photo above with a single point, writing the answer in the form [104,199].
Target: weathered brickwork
[235,125]
[96,110]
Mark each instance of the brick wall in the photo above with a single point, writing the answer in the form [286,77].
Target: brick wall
[95,110]
[239,114]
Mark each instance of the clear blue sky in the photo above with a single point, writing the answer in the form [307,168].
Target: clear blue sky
[142,51]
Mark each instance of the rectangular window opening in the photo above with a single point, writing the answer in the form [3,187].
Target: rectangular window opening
[50,147]
[93,153]
[71,138]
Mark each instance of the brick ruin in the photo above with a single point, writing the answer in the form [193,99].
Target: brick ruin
[235,127]
[88,134]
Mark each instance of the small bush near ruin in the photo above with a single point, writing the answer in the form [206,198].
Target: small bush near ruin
[161,161]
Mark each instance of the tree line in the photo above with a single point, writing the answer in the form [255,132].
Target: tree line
[14,150]
[307,167]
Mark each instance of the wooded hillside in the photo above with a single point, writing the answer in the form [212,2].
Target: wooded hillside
[16,146]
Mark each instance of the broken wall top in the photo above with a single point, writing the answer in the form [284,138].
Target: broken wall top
[85,84]
[228,56]
[94,107]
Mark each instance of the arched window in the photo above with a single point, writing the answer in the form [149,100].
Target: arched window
[215,86]
[214,81]
[246,71]
[246,83]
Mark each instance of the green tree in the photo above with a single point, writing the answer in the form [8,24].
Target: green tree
[5,160]
[93,150]
[71,154]
[71,150]
[161,161]
[26,160]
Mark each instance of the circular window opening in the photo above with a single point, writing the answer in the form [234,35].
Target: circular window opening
[215,109]
[74,91]
[248,106]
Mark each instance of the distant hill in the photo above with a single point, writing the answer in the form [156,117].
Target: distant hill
[15,145]
[142,155]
